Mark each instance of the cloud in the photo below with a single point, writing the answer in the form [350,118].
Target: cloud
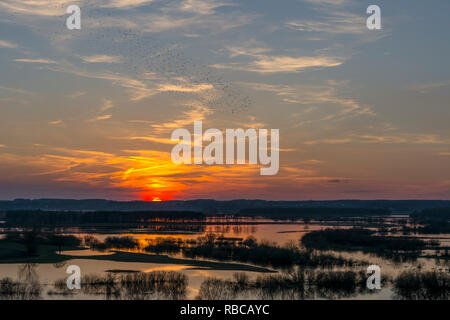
[141,89]
[290,64]
[213,24]
[7,44]
[263,63]
[196,112]
[332,2]
[180,88]
[339,23]
[124,3]
[282,64]
[165,15]
[58,7]
[2,146]
[382,139]
[43,61]
[107,104]
[15,90]
[152,139]
[76,94]
[138,89]
[329,141]
[102,59]
[36,8]
[56,122]
[428,139]
[251,122]
[99,118]
[314,161]
[427,87]
[400,138]
[314,95]
[335,181]
[202,6]
[135,171]
[333,19]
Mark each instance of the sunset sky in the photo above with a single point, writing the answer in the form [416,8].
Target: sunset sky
[363,114]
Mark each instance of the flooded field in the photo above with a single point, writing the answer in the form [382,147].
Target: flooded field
[200,271]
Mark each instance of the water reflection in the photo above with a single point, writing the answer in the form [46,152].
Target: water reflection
[414,285]
[296,284]
[27,287]
[165,237]
[167,285]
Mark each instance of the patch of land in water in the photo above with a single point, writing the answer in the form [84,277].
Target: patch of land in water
[15,253]
[116,271]
[121,256]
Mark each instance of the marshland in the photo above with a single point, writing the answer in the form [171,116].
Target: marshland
[306,255]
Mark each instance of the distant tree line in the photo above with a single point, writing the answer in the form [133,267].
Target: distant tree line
[311,212]
[72,218]
[434,221]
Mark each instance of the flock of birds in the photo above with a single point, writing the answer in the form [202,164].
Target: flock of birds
[143,53]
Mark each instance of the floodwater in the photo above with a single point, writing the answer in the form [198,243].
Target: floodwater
[280,232]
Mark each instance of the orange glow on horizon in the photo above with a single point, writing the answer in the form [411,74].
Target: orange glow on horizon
[155,198]
[148,175]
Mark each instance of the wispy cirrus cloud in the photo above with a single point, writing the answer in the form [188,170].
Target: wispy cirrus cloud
[202,6]
[58,7]
[102,59]
[100,118]
[280,64]
[36,8]
[196,111]
[55,122]
[123,3]
[150,138]
[337,23]
[137,88]
[7,44]
[16,90]
[427,87]
[185,88]
[400,138]
[330,2]
[76,94]
[314,96]
[271,64]
[194,23]
[141,172]
[329,141]
[107,104]
[337,19]
[41,61]
[129,49]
